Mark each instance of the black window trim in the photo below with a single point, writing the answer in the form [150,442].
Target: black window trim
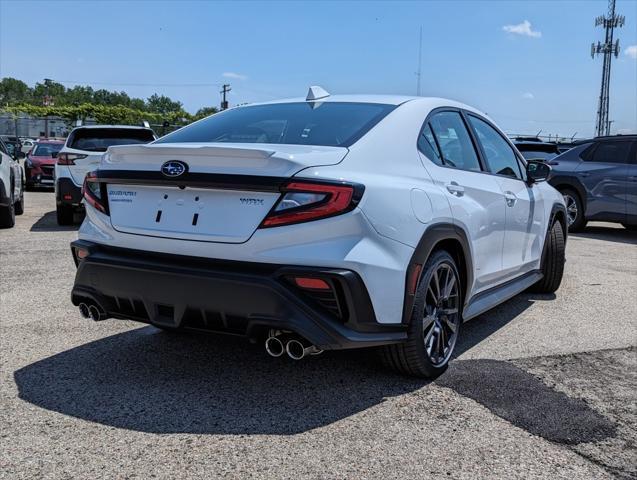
[516,154]
[469,131]
[485,169]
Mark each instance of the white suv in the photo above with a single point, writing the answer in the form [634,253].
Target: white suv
[81,153]
[328,222]
[11,185]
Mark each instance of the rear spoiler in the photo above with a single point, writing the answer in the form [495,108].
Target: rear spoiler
[195,149]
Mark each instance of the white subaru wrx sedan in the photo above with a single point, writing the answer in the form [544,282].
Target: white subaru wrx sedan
[326,222]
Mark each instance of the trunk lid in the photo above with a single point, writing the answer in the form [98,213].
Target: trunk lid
[225,194]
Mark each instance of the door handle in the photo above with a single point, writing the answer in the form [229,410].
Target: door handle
[510,198]
[632,179]
[454,189]
[584,174]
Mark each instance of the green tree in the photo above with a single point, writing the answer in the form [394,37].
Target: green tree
[162,104]
[78,94]
[56,91]
[14,91]
[205,112]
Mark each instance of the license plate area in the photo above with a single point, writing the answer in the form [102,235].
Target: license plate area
[202,214]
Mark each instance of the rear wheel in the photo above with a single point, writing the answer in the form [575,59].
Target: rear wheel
[435,321]
[574,210]
[7,214]
[64,214]
[553,264]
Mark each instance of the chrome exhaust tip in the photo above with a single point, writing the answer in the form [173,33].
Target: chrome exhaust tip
[94,313]
[84,310]
[297,350]
[274,347]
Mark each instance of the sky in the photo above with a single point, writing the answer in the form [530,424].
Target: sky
[525,63]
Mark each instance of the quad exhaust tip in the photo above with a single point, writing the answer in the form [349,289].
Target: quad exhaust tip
[84,310]
[274,346]
[94,313]
[91,311]
[279,342]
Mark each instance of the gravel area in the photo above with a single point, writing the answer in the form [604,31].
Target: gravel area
[543,386]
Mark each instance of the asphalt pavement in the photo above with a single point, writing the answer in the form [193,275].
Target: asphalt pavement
[544,386]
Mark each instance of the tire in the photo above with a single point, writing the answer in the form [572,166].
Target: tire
[553,264]
[431,323]
[64,215]
[7,214]
[628,226]
[575,219]
[19,205]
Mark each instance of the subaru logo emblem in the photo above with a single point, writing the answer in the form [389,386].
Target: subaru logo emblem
[174,168]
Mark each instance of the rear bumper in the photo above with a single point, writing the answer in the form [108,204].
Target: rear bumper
[229,296]
[39,176]
[67,193]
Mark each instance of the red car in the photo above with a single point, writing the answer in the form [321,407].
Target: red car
[39,165]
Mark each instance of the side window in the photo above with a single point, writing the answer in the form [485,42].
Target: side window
[427,145]
[455,143]
[3,149]
[610,152]
[499,154]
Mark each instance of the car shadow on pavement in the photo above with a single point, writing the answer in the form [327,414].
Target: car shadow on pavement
[609,234]
[48,223]
[150,381]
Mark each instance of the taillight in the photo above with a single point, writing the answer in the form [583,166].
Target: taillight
[303,201]
[95,193]
[69,158]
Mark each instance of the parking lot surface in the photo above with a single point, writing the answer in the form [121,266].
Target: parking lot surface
[544,385]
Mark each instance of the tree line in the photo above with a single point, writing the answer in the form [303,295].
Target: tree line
[80,102]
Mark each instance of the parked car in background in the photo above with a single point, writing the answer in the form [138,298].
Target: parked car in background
[535,149]
[325,222]
[598,179]
[27,144]
[11,185]
[82,153]
[14,144]
[39,166]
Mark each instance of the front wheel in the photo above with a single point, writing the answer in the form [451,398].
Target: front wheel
[553,263]
[435,321]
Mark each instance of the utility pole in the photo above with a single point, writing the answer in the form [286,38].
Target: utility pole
[419,72]
[46,103]
[608,49]
[224,92]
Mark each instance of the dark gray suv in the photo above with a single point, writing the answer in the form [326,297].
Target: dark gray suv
[598,179]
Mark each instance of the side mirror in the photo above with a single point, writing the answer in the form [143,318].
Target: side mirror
[54,154]
[537,171]
[20,155]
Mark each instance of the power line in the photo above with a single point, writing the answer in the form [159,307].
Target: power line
[75,82]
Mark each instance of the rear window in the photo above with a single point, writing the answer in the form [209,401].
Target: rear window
[537,155]
[46,149]
[99,139]
[337,124]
